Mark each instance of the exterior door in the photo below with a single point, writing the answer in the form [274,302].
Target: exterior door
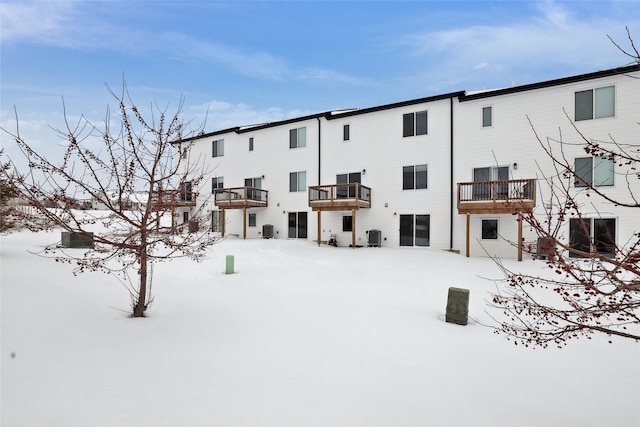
[415,230]
[215,222]
[297,225]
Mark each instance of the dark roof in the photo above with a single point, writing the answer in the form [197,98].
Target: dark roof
[550,83]
[461,95]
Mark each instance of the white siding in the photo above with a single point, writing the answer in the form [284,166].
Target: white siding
[376,145]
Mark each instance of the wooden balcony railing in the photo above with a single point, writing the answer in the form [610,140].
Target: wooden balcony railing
[240,197]
[339,197]
[497,196]
[172,198]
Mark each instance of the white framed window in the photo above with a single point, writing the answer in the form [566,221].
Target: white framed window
[297,181]
[592,235]
[347,223]
[593,171]
[217,182]
[217,148]
[298,138]
[414,177]
[489,229]
[252,219]
[346,132]
[487,117]
[414,123]
[251,143]
[595,103]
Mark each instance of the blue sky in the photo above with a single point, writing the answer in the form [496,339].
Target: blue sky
[258,61]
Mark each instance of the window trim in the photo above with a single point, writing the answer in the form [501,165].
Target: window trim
[217,182]
[490,109]
[597,164]
[411,126]
[347,223]
[587,107]
[414,180]
[295,142]
[482,229]
[298,186]
[217,148]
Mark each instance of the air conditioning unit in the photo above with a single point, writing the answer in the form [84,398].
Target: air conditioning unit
[76,240]
[267,231]
[375,238]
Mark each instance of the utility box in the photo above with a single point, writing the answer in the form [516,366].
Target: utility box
[229,265]
[545,247]
[458,306]
[77,240]
[375,238]
[267,231]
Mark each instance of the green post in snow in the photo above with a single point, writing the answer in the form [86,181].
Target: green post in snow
[229,269]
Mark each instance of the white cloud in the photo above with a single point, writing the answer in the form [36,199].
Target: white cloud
[555,38]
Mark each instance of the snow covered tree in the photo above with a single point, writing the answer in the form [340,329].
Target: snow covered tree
[128,166]
[593,285]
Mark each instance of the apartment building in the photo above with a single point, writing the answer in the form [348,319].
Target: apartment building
[447,172]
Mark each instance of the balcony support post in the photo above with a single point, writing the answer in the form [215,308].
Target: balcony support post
[467,238]
[519,236]
[319,227]
[353,228]
[244,223]
[222,220]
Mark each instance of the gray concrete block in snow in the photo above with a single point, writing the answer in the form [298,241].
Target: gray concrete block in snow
[458,306]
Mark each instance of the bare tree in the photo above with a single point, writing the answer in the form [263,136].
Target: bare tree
[7,193]
[132,167]
[594,279]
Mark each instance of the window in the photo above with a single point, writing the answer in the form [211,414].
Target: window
[297,181]
[484,190]
[215,221]
[344,191]
[298,138]
[347,223]
[592,235]
[252,220]
[251,144]
[414,177]
[345,132]
[217,183]
[487,117]
[253,183]
[186,194]
[595,103]
[184,153]
[593,171]
[218,148]
[415,230]
[414,124]
[489,229]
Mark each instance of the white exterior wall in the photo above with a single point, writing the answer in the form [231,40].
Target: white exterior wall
[376,145]
[271,158]
[510,140]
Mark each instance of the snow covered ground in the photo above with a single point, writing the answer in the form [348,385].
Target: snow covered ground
[299,335]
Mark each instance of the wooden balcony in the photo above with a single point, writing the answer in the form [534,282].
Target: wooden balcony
[163,199]
[241,198]
[339,197]
[497,197]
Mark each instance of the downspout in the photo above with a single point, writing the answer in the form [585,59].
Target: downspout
[319,151]
[451,202]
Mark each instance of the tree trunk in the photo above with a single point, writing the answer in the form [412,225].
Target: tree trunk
[140,307]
